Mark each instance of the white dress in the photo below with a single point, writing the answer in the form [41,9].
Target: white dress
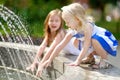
[70,48]
[103,36]
[106,39]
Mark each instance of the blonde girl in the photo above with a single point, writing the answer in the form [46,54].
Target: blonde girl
[100,39]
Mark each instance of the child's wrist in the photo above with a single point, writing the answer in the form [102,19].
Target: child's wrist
[35,62]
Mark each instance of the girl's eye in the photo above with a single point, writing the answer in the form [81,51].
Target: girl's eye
[51,20]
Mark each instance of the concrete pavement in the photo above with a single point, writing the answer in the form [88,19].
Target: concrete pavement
[86,73]
[115,60]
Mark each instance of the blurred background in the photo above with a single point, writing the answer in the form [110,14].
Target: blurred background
[33,13]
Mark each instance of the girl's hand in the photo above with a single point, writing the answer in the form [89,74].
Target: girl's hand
[31,67]
[41,67]
[74,64]
[47,63]
[39,70]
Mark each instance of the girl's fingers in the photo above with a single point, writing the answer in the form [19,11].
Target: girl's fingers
[39,71]
[73,64]
[30,68]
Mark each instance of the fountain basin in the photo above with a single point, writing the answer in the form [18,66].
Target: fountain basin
[61,71]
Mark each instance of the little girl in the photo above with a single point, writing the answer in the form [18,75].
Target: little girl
[54,33]
[101,40]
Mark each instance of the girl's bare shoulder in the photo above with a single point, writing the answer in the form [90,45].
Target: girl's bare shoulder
[61,33]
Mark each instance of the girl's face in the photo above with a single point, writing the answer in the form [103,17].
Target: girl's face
[70,20]
[54,22]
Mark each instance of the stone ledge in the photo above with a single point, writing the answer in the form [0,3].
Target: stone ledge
[83,72]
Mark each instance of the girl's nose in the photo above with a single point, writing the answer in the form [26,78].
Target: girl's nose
[54,22]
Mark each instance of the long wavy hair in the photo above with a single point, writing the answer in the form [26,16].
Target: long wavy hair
[47,31]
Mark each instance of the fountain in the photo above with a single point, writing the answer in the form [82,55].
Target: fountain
[14,40]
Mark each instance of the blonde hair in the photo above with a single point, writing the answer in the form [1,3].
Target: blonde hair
[78,12]
[47,31]
[90,19]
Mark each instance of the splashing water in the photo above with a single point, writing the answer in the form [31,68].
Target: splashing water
[13,62]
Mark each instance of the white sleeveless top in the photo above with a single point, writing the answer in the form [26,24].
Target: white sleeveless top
[70,48]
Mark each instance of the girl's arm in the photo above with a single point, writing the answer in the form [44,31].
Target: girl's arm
[58,48]
[55,52]
[87,43]
[56,41]
[42,64]
[40,50]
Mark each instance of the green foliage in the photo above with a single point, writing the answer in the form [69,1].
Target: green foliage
[2,1]
[99,3]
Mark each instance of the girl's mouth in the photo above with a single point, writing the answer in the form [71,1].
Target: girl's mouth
[53,26]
